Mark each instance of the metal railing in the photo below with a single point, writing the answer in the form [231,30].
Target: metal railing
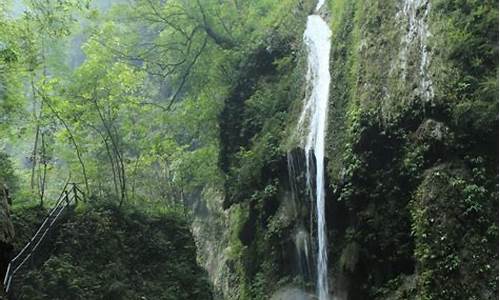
[69,195]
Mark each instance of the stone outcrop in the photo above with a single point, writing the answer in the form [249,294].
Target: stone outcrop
[6,232]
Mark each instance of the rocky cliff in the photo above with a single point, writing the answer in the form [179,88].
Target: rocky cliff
[6,232]
[412,158]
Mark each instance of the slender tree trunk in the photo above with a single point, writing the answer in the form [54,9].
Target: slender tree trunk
[34,155]
[110,156]
[112,161]
[34,158]
[134,175]
[116,150]
[77,149]
[43,177]
[122,169]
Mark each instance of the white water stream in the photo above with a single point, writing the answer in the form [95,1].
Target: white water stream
[415,14]
[317,38]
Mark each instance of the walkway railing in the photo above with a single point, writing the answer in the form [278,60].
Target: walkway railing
[70,194]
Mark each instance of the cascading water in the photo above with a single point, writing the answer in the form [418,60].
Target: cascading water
[415,13]
[320,4]
[317,38]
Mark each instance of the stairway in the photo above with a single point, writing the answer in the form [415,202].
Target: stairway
[69,196]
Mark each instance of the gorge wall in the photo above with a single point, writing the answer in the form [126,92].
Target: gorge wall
[411,154]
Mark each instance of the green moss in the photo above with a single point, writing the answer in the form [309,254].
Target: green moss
[383,136]
[383,139]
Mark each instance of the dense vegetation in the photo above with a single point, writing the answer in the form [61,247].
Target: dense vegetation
[177,119]
[413,204]
[420,177]
[104,252]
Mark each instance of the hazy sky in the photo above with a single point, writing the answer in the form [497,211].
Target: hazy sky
[18,7]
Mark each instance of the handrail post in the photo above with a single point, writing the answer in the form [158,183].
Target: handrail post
[66,197]
[75,194]
[7,275]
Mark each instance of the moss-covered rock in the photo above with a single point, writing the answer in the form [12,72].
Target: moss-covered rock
[411,94]
[6,227]
[7,233]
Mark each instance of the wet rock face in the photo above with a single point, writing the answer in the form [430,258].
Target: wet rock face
[6,231]
[437,139]
[433,131]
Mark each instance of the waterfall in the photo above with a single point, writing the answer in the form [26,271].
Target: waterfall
[302,250]
[415,13]
[320,4]
[312,126]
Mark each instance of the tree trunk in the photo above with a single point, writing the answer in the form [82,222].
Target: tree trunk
[77,149]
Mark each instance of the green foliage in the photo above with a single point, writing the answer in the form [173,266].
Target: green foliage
[470,28]
[454,244]
[253,187]
[54,17]
[9,83]
[253,148]
[7,175]
[109,116]
[169,98]
[383,138]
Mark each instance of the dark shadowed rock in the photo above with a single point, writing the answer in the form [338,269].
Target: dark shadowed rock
[432,131]
[6,232]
